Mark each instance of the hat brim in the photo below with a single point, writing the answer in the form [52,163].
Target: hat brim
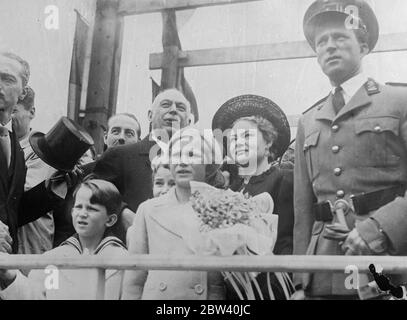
[314,21]
[252,105]
[41,149]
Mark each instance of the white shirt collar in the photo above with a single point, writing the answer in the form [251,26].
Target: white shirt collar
[25,142]
[351,86]
[9,126]
[160,143]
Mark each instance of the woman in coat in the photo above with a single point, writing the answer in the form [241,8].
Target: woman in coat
[259,135]
[163,224]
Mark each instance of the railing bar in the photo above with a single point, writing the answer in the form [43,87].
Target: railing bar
[390,264]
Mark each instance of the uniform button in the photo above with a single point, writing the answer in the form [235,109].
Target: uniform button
[335,149]
[163,286]
[199,289]
[335,128]
[338,171]
[377,129]
[340,194]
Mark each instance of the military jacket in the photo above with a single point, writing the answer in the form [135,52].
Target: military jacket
[361,149]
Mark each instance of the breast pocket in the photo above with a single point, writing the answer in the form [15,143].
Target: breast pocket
[374,140]
[311,158]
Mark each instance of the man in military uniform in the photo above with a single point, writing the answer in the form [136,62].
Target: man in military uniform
[351,152]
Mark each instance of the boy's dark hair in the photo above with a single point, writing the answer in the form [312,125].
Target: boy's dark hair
[106,194]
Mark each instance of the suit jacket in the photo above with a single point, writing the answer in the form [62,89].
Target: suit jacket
[17,207]
[128,167]
[279,184]
[366,142]
[37,236]
[160,227]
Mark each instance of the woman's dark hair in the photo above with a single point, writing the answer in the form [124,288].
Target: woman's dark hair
[268,131]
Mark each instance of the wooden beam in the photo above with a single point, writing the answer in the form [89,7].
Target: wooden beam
[133,7]
[266,52]
[104,70]
[117,56]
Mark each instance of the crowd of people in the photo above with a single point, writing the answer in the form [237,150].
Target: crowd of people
[340,190]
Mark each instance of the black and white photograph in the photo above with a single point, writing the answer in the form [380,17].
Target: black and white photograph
[230,152]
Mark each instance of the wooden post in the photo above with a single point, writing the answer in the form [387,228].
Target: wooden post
[172,47]
[104,70]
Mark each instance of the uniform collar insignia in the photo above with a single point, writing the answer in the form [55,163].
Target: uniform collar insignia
[372,87]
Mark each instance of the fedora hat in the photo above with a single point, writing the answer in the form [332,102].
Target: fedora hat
[63,145]
[354,11]
[254,105]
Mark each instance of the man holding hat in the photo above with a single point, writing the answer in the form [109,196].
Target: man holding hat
[17,207]
[351,153]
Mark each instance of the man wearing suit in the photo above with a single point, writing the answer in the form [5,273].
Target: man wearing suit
[37,236]
[129,166]
[351,152]
[16,207]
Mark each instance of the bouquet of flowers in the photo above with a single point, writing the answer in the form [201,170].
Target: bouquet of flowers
[232,223]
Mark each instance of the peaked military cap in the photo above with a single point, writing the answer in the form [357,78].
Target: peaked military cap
[355,12]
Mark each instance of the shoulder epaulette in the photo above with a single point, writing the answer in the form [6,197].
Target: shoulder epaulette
[316,104]
[396,84]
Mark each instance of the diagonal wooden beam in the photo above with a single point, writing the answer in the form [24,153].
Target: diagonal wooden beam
[266,52]
[133,7]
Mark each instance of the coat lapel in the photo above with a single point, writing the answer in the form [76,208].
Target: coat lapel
[178,219]
[327,111]
[145,145]
[17,164]
[145,150]
[3,173]
[359,100]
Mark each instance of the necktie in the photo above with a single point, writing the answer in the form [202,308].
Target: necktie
[5,144]
[338,100]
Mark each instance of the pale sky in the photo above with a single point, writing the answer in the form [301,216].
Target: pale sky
[294,84]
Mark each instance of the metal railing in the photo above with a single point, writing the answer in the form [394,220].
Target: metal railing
[390,264]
